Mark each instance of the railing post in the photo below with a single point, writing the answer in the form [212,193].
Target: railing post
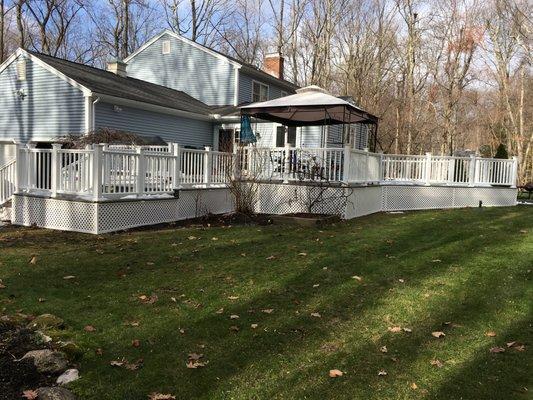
[346,177]
[177,165]
[427,169]
[514,174]
[55,169]
[472,170]
[141,171]
[367,163]
[97,171]
[207,165]
[287,166]
[31,173]
[19,167]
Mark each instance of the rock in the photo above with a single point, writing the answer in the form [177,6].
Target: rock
[48,361]
[46,321]
[42,338]
[55,393]
[72,350]
[70,375]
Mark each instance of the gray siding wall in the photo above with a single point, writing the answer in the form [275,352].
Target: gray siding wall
[187,68]
[245,88]
[51,107]
[171,128]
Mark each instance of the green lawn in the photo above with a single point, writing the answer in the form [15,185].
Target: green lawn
[463,272]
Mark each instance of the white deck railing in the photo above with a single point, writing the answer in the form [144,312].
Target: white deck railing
[101,171]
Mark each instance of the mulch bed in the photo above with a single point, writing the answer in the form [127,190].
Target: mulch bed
[16,376]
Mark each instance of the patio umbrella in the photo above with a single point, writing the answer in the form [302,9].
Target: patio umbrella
[247,135]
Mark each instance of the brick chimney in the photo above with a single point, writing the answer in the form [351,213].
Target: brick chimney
[273,65]
[117,67]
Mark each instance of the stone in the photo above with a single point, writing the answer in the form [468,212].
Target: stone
[48,361]
[72,350]
[70,375]
[46,321]
[55,393]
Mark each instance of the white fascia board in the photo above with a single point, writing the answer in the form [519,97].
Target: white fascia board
[184,40]
[9,61]
[151,107]
[236,70]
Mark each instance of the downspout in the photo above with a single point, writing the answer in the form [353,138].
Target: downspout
[93,108]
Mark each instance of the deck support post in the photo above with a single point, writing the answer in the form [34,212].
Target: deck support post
[427,169]
[55,169]
[472,171]
[514,173]
[97,171]
[346,177]
[207,165]
[287,166]
[141,171]
[176,179]
[367,159]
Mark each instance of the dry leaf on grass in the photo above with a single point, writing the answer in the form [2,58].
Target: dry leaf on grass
[160,396]
[148,300]
[302,254]
[414,386]
[233,297]
[394,329]
[357,278]
[136,343]
[382,372]
[123,363]
[490,334]
[497,349]
[437,363]
[234,316]
[30,394]
[334,373]
[271,257]
[33,260]
[254,326]
[69,277]
[316,315]
[408,330]
[219,311]
[438,334]
[234,328]
[89,328]
[383,349]
[193,361]
[267,310]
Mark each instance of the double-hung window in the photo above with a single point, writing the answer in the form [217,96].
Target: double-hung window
[259,92]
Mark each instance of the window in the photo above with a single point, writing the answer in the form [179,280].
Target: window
[21,70]
[166,46]
[280,136]
[259,92]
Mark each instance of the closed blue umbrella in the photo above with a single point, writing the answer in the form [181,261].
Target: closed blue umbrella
[247,135]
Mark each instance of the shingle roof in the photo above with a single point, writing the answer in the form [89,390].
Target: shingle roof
[108,83]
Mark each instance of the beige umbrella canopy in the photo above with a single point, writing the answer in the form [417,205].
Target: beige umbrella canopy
[310,106]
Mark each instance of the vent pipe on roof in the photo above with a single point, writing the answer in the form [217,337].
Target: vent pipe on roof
[273,65]
[117,67]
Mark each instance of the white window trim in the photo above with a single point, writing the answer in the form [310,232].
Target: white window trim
[261,84]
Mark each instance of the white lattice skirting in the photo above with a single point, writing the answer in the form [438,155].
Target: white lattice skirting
[103,217]
[273,198]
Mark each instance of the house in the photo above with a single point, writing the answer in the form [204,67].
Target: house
[170,88]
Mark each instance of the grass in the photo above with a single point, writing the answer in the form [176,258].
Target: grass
[464,272]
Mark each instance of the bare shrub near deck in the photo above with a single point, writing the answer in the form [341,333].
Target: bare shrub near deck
[106,135]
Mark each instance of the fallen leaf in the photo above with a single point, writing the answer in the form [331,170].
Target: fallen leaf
[219,311]
[33,260]
[437,363]
[136,343]
[233,316]
[382,372]
[510,344]
[401,280]
[302,254]
[234,328]
[192,237]
[316,315]
[271,257]
[394,329]
[193,361]
[408,330]
[149,300]
[436,261]
[233,297]
[160,396]
[316,285]
[268,310]
[383,349]
[195,356]
[497,349]
[30,394]
[99,351]
[89,328]
[490,334]
[2,286]
[254,326]
[357,278]
[438,334]
[414,386]
[334,373]
[214,239]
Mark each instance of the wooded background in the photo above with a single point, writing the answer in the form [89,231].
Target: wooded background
[443,75]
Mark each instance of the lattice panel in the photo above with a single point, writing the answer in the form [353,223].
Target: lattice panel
[64,215]
[283,199]
[470,197]
[363,201]
[396,198]
[5,213]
